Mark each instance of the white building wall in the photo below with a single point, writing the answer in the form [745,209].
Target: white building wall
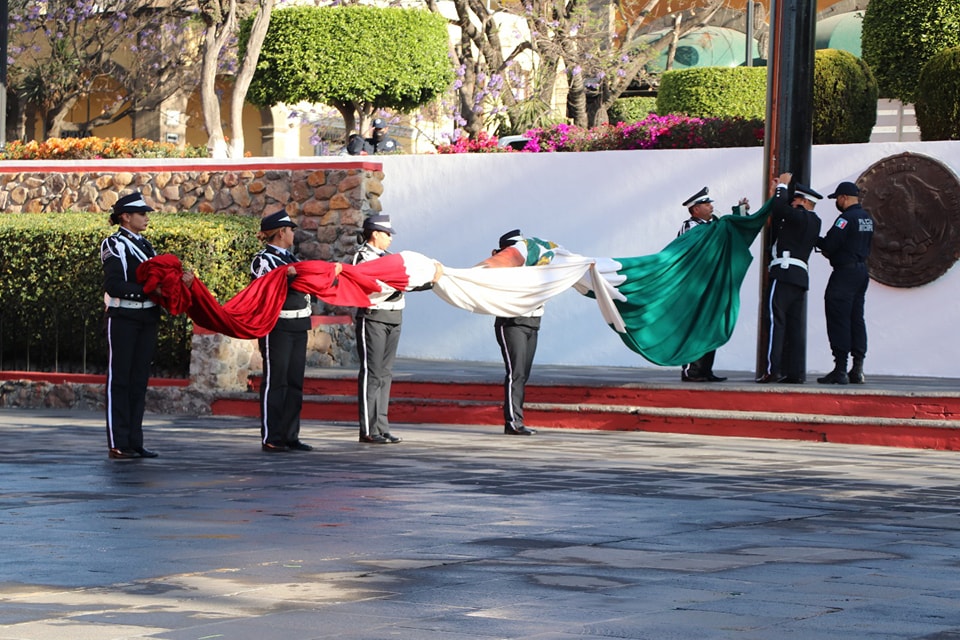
[627,203]
[896,122]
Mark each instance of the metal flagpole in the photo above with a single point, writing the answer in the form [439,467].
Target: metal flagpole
[789,127]
[4,32]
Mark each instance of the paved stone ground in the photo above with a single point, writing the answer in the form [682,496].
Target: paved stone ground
[464,533]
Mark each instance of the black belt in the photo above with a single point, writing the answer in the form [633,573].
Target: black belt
[851,265]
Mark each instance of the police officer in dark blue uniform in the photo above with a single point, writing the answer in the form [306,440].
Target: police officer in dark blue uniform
[847,246]
[284,349]
[380,142]
[357,145]
[795,230]
[131,327]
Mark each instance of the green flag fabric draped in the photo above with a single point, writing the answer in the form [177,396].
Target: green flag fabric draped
[683,301]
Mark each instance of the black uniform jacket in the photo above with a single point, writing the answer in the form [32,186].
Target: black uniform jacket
[848,241]
[389,311]
[121,254]
[795,231]
[268,259]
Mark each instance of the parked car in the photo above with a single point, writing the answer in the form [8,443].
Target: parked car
[514,142]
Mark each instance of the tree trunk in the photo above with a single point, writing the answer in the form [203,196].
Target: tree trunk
[215,37]
[55,119]
[209,102]
[245,75]
[577,100]
[472,122]
[348,113]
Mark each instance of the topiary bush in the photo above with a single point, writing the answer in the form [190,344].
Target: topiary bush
[354,58]
[714,92]
[844,98]
[52,313]
[938,97]
[900,36]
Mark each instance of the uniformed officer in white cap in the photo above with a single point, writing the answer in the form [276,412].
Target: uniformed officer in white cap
[700,207]
[131,326]
[378,336]
[284,349]
[794,231]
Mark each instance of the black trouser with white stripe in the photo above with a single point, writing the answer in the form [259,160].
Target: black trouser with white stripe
[518,345]
[785,352]
[132,340]
[377,344]
[284,355]
[702,367]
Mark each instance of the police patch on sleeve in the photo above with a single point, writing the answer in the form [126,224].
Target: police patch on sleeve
[841,223]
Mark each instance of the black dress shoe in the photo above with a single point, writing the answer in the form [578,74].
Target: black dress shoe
[374,439]
[771,378]
[146,453]
[834,377]
[715,378]
[686,378]
[273,448]
[122,454]
[299,446]
[392,439]
[792,380]
[519,431]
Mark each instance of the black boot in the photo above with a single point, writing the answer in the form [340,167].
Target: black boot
[856,370]
[839,373]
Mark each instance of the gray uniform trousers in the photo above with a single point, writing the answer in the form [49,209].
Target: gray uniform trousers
[377,344]
[517,338]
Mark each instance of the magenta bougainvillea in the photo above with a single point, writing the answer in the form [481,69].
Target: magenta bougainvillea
[653,132]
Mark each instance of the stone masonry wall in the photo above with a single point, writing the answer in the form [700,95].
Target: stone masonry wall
[328,202]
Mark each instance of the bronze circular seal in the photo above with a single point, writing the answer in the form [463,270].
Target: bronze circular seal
[915,204]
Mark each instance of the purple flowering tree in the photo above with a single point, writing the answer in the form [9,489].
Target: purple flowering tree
[600,64]
[564,36]
[120,57]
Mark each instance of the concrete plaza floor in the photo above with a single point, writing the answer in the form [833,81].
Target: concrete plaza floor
[464,533]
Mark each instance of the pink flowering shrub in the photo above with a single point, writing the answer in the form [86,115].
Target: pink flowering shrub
[484,143]
[653,132]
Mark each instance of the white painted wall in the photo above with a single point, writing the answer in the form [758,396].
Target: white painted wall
[628,203]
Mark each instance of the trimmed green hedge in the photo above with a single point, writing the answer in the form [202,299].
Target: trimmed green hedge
[51,285]
[844,98]
[938,97]
[844,95]
[714,92]
[386,57]
[900,36]
[631,109]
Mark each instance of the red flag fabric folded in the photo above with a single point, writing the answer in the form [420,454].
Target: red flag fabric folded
[253,312]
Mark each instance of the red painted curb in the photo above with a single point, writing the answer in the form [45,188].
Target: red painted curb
[344,409]
[861,405]
[83,378]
